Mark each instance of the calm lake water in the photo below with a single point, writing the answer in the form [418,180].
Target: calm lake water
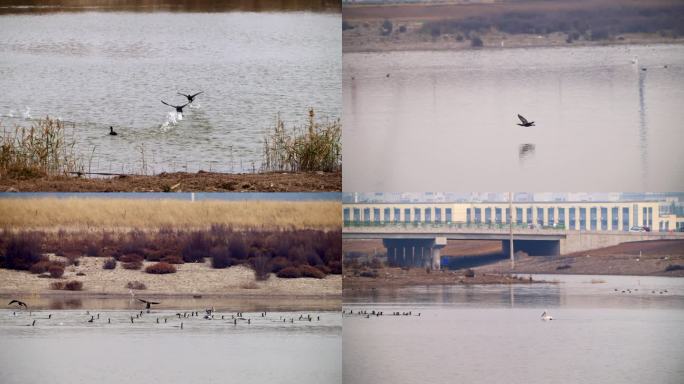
[68,349]
[442,119]
[492,334]
[99,69]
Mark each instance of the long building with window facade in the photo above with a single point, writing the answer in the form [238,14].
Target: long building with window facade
[585,215]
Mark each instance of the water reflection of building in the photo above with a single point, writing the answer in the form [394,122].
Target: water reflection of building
[577,215]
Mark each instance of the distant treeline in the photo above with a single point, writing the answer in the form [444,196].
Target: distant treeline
[301,253]
[596,24]
[42,6]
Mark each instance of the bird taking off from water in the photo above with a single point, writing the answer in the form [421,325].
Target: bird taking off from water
[190,98]
[179,108]
[546,316]
[20,303]
[524,122]
[148,303]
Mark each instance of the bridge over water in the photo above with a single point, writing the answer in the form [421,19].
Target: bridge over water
[420,244]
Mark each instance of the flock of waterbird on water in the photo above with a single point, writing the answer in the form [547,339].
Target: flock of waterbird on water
[178,108]
[209,314]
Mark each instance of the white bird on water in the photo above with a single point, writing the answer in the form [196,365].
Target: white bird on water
[546,316]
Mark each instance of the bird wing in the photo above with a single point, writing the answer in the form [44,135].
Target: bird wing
[522,119]
[183,106]
[13,301]
[183,94]
[164,102]
[152,302]
[144,301]
[197,93]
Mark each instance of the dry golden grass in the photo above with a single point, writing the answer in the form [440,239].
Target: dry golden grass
[112,213]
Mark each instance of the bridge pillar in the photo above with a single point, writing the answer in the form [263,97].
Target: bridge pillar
[437,245]
[412,252]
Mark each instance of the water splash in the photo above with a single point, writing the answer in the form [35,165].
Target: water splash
[27,114]
[171,121]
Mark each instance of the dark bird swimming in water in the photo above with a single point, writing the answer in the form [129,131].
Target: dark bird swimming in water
[179,108]
[148,303]
[111,132]
[20,303]
[190,98]
[524,122]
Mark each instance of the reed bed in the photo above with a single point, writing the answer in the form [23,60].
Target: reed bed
[316,146]
[110,213]
[40,150]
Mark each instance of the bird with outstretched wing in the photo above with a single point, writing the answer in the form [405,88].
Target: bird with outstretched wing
[148,303]
[524,121]
[190,98]
[20,303]
[179,108]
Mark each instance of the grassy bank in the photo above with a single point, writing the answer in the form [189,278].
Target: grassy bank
[52,214]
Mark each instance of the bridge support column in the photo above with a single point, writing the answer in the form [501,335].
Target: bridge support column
[413,252]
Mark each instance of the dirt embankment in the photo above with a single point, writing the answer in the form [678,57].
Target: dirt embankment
[643,258]
[454,25]
[190,279]
[403,277]
[183,182]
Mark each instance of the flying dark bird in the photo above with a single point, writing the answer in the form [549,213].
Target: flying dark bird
[111,132]
[20,303]
[190,98]
[524,122]
[148,303]
[179,108]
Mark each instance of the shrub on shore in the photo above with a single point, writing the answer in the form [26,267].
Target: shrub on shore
[172,259]
[469,273]
[160,268]
[220,257]
[136,285]
[22,250]
[309,271]
[109,264]
[196,248]
[73,285]
[261,265]
[40,267]
[56,271]
[135,265]
[289,273]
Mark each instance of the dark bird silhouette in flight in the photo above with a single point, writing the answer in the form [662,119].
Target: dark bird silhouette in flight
[20,303]
[524,122]
[148,303]
[190,98]
[111,131]
[179,108]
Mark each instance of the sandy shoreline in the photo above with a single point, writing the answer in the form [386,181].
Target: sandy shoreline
[369,42]
[191,279]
